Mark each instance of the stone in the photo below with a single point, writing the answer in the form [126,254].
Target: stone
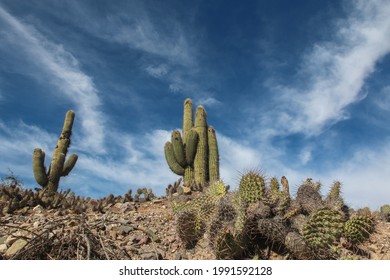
[10,240]
[3,248]
[38,209]
[3,239]
[151,256]
[16,247]
[125,229]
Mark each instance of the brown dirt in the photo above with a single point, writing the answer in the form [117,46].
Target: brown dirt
[128,230]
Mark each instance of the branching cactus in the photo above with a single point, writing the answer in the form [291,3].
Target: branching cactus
[194,153]
[50,179]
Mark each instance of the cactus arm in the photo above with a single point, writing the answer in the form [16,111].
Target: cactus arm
[187,117]
[213,155]
[190,147]
[201,157]
[55,172]
[69,164]
[178,148]
[39,167]
[68,124]
[171,160]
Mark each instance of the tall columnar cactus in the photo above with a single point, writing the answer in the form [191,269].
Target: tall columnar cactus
[213,154]
[59,167]
[201,156]
[194,154]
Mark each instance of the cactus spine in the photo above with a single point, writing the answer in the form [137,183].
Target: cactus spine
[58,167]
[194,154]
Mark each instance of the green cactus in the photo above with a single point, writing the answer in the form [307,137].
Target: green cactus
[385,212]
[335,190]
[194,154]
[201,156]
[200,212]
[189,227]
[358,229]
[334,199]
[228,246]
[213,155]
[58,167]
[252,186]
[322,231]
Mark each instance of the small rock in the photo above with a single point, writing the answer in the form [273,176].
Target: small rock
[10,240]
[3,239]
[38,209]
[3,248]
[151,256]
[144,240]
[16,247]
[125,229]
[113,235]
[180,256]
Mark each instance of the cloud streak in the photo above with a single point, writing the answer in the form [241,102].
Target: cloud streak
[62,69]
[334,72]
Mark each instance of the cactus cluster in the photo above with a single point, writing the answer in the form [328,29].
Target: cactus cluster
[49,179]
[385,212]
[261,217]
[194,153]
[192,217]
[146,193]
[14,198]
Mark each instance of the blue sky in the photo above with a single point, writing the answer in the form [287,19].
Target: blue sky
[295,88]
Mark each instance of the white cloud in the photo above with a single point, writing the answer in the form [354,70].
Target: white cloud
[208,101]
[61,69]
[157,71]
[383,98]
[334,72]
[141,164]
[305,155]
[143,35]
[366,178]
[18,141]
[235,158]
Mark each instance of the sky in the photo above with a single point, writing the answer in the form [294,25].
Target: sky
[293,88]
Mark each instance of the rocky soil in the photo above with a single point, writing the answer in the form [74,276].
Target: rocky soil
[131,230]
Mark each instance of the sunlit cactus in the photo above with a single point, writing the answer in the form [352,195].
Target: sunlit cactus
[58,168]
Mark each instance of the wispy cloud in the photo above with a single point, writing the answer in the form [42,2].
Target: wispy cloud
[383,98]
[143,35]
[18,141]
[158,71]
[208,101]
[62,69]
[365,177]
[334,72]
[235,158]
[141,164]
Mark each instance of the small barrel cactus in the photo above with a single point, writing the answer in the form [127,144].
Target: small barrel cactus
[358,229]
[322,231]
[252,186]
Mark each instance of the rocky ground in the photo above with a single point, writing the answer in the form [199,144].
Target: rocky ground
[130,230]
